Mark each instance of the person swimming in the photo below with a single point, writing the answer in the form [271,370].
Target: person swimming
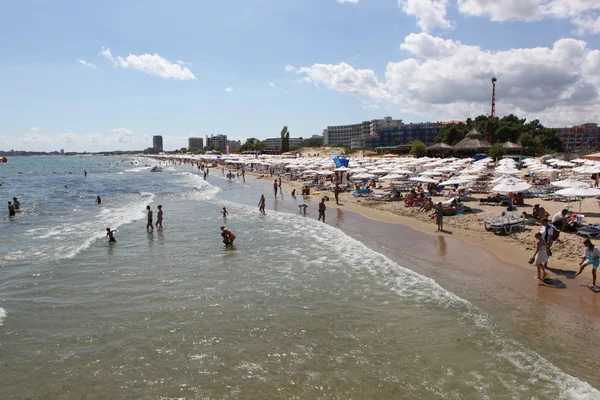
[110,234]
[98,200]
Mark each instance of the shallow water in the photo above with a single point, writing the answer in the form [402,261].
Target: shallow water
[298,309]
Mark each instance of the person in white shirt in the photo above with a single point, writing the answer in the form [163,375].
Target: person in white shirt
[590,257]
[547,232]
[559,219]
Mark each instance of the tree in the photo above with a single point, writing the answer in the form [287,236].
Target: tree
[313,142]
[527,140]
[183,150]
[252,144]
[452,134]
[285,140]
[418,148]
[496,151]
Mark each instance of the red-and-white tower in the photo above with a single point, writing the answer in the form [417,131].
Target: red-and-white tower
[493,114]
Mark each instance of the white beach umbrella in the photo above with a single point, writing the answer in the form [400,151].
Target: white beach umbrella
[325,172]
[432,173]
[457,180]
[341,169]
[401,171]
[570,183]
[511,185]
[564,164]
[310,171]
[578,161]
[391,177]
[358,170]
[423,179]
[580,192]
[364,175]
[506,171]
[378,171]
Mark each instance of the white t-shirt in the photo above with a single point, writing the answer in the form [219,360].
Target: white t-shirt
[594,254]
[557,217]
[547,229]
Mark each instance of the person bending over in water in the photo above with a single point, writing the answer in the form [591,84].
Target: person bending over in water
[11,209]
[149,225]
[159,218]
[228,236]
[224,212]
[303,208]
[98,200]
[111,235]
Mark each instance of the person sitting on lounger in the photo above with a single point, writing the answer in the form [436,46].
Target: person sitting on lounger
[427,206]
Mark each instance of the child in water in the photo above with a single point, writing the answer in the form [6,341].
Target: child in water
[224,212]
[110,234]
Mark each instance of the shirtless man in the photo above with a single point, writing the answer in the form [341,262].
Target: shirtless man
[110,234]
[275,187]
[149,224]
[322,208]
[16,203]
[336,194]
[261,204]
[159,218]
[11,209]
[224,212]
[228,236]
[98,200]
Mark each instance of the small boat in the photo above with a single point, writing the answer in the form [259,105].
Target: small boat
[156,169]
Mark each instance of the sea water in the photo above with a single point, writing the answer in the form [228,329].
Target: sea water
[296,310]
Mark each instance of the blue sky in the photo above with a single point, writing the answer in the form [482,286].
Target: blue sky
[246,68]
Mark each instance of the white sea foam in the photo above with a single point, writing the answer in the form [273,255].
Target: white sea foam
[2,316]
[422,290]
[137,169]
[67,240]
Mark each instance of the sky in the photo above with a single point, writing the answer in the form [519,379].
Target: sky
[108,75]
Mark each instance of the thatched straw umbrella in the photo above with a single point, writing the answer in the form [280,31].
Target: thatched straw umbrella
[472,143]
[511,146]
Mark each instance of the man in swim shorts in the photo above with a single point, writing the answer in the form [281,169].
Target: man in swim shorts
[110,234]
[228,236]
[275,187]
[149,225]
[322,208]
[11,209]
[159,218]
[590,257]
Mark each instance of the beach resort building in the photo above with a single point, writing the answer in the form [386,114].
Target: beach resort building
[217,142]
[586,136]
[157,144]
[404,134]
[353,135]
[234,145]
[195,144]
[275,143]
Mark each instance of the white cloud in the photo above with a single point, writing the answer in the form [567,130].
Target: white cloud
[445,79]
[152,64]
[271,84]
[289,68]
[430,14]
[34,129]
[347,1]
[87,64]
[35,138]
[229,89]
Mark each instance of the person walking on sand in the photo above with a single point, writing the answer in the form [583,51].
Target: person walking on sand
[275,186]
[547,232]
[540,257]
[225,213]
[590,257]
[11,209]
[228,236]
[159,218]
[261,204]
[336,193]
[439,217]
[149,225]
[322,208]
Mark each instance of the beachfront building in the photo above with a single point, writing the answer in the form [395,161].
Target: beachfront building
[275,143]
[234,145]
[195,144]
[353,136]
[404,134]
[217,142]
[580,136]
[157,144]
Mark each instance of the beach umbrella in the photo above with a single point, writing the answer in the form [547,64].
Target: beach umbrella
[570,183]
[325,172]
[511,185]
[423,179]
[341,169]
[457,180]
[579,192]
[433,173]
[391,177]
[359,169]
[506,171]
[364,175]
[378,171]
[310,171]
[578,161]
[401,171]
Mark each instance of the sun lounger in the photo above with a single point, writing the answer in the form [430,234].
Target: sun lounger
[504,223]
[590,231]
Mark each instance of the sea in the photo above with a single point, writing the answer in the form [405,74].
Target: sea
[297,309]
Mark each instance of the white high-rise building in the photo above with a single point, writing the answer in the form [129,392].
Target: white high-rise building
[352,136]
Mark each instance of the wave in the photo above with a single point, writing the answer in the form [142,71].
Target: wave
[66,240]
[2,316]
[138,169]
[424,291]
